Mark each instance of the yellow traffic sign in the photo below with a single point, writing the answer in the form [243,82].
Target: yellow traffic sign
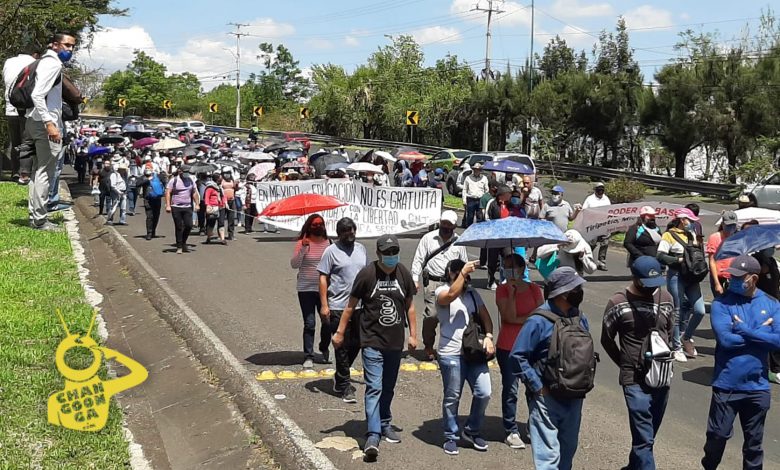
[258,111]
[412,118]
[304,113]
[213,107]
[122,102]
[84,100]
[167,104]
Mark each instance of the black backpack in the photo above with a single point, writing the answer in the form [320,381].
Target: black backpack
[570,369]
[20,95]
[694,267]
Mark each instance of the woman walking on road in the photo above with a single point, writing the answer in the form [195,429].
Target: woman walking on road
[312,241]
[181,196]
[215,209]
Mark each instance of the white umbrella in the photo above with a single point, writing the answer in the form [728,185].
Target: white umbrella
[386,156]
[365,167]
[261,170]
[763,216]
[255,156]
[168,144]
[161,125]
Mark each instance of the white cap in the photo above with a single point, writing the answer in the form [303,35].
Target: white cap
[227,169]
[449,216]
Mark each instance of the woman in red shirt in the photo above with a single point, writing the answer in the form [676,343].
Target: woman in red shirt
[215,208]
[516,300]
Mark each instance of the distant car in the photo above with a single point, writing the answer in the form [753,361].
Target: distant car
[449,158]
[456,176]
[196,126]
[298,137]
[768,193]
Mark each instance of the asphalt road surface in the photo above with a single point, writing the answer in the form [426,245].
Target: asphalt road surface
[246,294]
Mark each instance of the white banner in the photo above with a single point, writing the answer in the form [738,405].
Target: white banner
[376,210]
[598,221]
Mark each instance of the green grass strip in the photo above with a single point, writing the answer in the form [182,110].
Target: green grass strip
[38,275]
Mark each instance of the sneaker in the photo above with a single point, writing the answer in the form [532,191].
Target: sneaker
[679,356]
[308,363]
[371,449]
[476,441]
[108,222]
[514,441]
[179,251]
[451,447]
[390,435]
[493,286]
[689,349]
[148,237]
[348,396]
[602,267]
[325,359]
[185,249]
[47,227]
[58,207]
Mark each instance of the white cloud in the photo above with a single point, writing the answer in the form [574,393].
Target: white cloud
[436,34]
[576,38]
[575,9]
[267,28]
[514,13]
[351,41]
[648,16]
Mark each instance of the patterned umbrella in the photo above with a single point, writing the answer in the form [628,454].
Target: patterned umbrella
[512,232]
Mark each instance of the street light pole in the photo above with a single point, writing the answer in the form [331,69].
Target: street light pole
[489,10]
[238,35]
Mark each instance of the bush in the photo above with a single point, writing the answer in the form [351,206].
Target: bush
[624,190]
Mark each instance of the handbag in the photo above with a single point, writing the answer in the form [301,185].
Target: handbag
[212,211]
[472,342]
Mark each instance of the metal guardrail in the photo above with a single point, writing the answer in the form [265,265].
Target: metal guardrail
[668,183]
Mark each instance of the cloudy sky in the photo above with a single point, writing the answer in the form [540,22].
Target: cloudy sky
[192,35]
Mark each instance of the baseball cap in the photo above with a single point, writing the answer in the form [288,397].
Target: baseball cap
[648,270]
[558,189]
[729,218]
[477,166]
[563,280]
[598,185]
[744,264]
[386,242]
[743,198]
[647,210]
[449,216]
[685,213]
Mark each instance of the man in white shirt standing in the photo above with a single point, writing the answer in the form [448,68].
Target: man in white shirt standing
[475,186]
[44,126]
[601,244]
[20,170]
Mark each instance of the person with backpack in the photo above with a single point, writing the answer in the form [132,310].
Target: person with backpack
[642,316]
[215,208]
[555,359]
[15,121]
[152,191]
[680,249]
[746,323]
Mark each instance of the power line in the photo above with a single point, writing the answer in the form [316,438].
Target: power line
[238,35]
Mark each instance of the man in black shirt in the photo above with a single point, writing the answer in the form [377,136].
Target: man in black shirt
[632,314]
[386,290]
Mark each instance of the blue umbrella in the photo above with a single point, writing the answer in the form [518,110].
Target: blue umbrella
[216,130]
[96,150]
[508,166]
[750,240]
[336,166]
[512,232]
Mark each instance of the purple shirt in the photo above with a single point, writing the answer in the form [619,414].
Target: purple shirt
[181,191]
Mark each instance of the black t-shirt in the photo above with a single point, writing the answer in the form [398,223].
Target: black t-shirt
[384,298]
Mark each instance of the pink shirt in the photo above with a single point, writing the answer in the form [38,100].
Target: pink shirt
[713,244]
[525,303]
[306,260]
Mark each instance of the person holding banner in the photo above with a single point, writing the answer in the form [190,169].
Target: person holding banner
[642,238]
[601,244]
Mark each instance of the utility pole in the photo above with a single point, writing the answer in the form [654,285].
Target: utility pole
[238,35]
[489,10]
[530,79]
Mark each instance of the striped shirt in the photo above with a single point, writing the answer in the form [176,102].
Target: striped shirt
[306,260]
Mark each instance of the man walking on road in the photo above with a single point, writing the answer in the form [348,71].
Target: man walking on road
[633,315]
[152,191]
[601,244]
[386,290]
[745,323]
[20,170]
[434,252]
[340,264]
[44,126]
[181,195]
[559,211]
[475,186]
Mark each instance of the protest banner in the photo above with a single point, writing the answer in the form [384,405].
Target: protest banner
[376,210]
[597,221]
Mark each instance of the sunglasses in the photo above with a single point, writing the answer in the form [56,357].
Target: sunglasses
[391,251]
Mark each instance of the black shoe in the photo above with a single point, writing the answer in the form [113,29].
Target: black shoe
[185,249]
[371,449]
[602,268]
[148,237]
[325,357]
[348,396]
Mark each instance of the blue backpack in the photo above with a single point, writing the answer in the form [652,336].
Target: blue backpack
[156,188]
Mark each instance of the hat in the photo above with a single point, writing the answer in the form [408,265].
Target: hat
[558,189]
[648,270]
[385,242]
[743,198]
[147,171]
[647,210]
[729,218]
[449,216]
[476,166]
[227,169]
[563,280]
[598,185]
[148,158]
[685,213]
[439,171]
[744,264]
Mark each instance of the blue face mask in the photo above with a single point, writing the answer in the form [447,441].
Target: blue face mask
[730,229]
[65,55]
[391,260]
[738,286]
[515,201]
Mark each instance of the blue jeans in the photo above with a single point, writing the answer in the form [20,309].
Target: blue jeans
[455,371]
[132,197]
[555,428]
[752,408]
[380,371]
[684,295]
[472,210]
[510,386]
[54,185]
[646,407]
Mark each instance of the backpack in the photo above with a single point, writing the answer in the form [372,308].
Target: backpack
[156,189]
[694,267]
[20,95]
[570,369]
[655,356]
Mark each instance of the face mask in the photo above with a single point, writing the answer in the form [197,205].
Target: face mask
[651,224]
[347,240]
[688,227]
[446,232]
[739,286]
[391,260]
[575,298]
[515,201]
[645,291]
[318,231]
[556,199]
[730,229]
[65,55]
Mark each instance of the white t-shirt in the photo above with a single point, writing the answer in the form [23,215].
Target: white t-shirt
[454,318]
[594,201]
[11,69]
